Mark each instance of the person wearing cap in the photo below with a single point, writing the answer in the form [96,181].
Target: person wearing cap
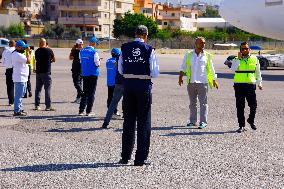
[7,62]
[76,69]
[20,75]
[90,63]
[44,58]
[111,66]
[138,64]
[198,67]
[118,87]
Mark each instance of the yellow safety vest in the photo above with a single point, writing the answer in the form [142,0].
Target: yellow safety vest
[32,56]
[208,68]
[246,71]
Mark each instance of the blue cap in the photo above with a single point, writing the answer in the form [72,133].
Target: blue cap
[94,40]
[21,43]
[115,52]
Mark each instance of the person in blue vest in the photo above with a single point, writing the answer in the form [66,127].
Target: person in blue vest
[138,64]
[117,93]
[90,63]
[111,66]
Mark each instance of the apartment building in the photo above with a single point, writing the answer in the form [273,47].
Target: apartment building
[30,12]
[166,15]
[51,10]
[93,17]
[178,18]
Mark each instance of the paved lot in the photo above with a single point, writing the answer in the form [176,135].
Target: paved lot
[61,150]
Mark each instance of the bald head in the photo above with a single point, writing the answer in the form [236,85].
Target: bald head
[42,42]
[12,43]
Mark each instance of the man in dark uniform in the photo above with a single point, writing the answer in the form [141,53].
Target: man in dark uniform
[247,77]
[137,64]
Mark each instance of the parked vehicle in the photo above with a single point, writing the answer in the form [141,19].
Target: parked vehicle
[3,44]
[265,60]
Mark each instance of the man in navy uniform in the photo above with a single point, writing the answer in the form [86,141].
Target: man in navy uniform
[137,64]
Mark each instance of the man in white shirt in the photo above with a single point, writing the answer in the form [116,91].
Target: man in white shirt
[7,62]
[199,69]
[20,75]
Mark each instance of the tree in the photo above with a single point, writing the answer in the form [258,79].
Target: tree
[74,32]
[211,13]
[48,30]
[16,30]
[59,30]
[126,26]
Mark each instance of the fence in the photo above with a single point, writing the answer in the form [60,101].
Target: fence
[187,43]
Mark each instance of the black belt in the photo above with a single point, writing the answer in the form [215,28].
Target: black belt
[244,71]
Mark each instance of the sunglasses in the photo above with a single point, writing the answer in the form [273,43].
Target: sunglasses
[244,49]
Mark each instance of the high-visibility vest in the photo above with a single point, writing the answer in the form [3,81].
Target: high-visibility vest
[246,72]
[208,68]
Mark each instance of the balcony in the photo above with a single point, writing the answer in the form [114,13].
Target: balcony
[82,21]
[80,7]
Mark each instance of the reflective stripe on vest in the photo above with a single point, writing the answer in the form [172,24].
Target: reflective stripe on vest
[208,68]
[246,71]
[132,76]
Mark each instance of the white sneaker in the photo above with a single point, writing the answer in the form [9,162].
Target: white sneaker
[91,114]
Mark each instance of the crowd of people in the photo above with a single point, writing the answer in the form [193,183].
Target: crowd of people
[129,73]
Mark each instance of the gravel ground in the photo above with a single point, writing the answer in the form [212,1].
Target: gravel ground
[61,150]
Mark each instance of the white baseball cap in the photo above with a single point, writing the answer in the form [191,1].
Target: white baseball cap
[79,41]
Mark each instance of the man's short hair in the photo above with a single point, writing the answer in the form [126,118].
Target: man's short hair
[198,38]
[141,30]
[244,43]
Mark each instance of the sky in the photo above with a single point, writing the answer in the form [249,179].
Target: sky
[214,2]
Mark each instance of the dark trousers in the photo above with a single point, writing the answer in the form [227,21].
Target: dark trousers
[77,81]
[10,85]
[245,92]
[29,85]
[136,106]
[43,79]
[109,96]
[89,90]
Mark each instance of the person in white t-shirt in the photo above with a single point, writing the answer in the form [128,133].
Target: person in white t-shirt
[20,75]
[7,62]
[198,67]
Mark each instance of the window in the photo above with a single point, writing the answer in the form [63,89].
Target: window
[106,16]
[173,14]
[105,5]
[52,7]
[273,2]
[165,23]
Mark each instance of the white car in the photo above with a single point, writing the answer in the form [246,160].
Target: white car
[273,60]
[3,44]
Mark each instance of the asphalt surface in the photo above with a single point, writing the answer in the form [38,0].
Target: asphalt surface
[62,150]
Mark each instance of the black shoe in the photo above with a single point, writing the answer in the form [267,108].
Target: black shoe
[19,114]
[104,126]
[123,161]
[30,94]
[141,163]
[240,130]
[25,96]
[252,125]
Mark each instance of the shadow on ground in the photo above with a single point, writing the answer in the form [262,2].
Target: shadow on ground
[65,118]
[61,167]
[199,133]
[265,77]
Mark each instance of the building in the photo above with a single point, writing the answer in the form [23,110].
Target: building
[30,12]
[51,10]
[168,16]
[93,17]
[178,18]
[210,24]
